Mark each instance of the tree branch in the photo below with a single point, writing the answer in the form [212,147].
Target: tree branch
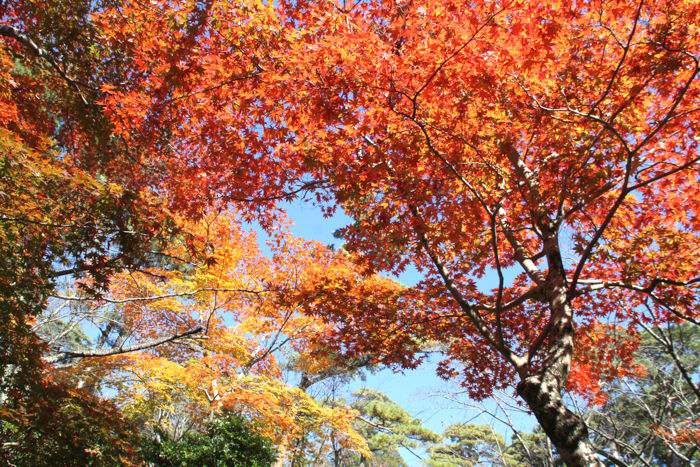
[122,349]
[9,31]
[157,297]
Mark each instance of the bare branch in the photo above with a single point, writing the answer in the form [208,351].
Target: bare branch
[122,350]
[158,297]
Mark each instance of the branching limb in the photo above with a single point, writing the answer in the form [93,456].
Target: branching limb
[10,31]
[159,297]
[122,349]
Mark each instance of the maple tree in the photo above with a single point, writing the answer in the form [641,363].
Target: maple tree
[180,344]
[550,146]
[57,219]
[86,182]
[646,417]
[65,426]
[62,213]
[81,198]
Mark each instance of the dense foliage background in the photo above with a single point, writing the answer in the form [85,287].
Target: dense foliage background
[534,162]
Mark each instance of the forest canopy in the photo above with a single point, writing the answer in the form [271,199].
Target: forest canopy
[534,163]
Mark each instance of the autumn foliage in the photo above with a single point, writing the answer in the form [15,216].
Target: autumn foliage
[535,162]
[228,314]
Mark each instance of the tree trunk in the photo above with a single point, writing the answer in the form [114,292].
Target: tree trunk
[565,429]
[282,453]
[543,391]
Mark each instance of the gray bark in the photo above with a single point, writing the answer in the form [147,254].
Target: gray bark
[543,391]
[565,429]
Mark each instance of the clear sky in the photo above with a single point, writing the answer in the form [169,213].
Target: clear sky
[415,390]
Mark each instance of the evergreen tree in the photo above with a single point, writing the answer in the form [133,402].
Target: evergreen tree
[230,440]
[469,445]
[387,427]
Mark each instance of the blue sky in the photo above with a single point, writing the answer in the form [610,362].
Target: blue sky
[415,390]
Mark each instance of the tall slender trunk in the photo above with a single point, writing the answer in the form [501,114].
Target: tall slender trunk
[542,391]
[565,429]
